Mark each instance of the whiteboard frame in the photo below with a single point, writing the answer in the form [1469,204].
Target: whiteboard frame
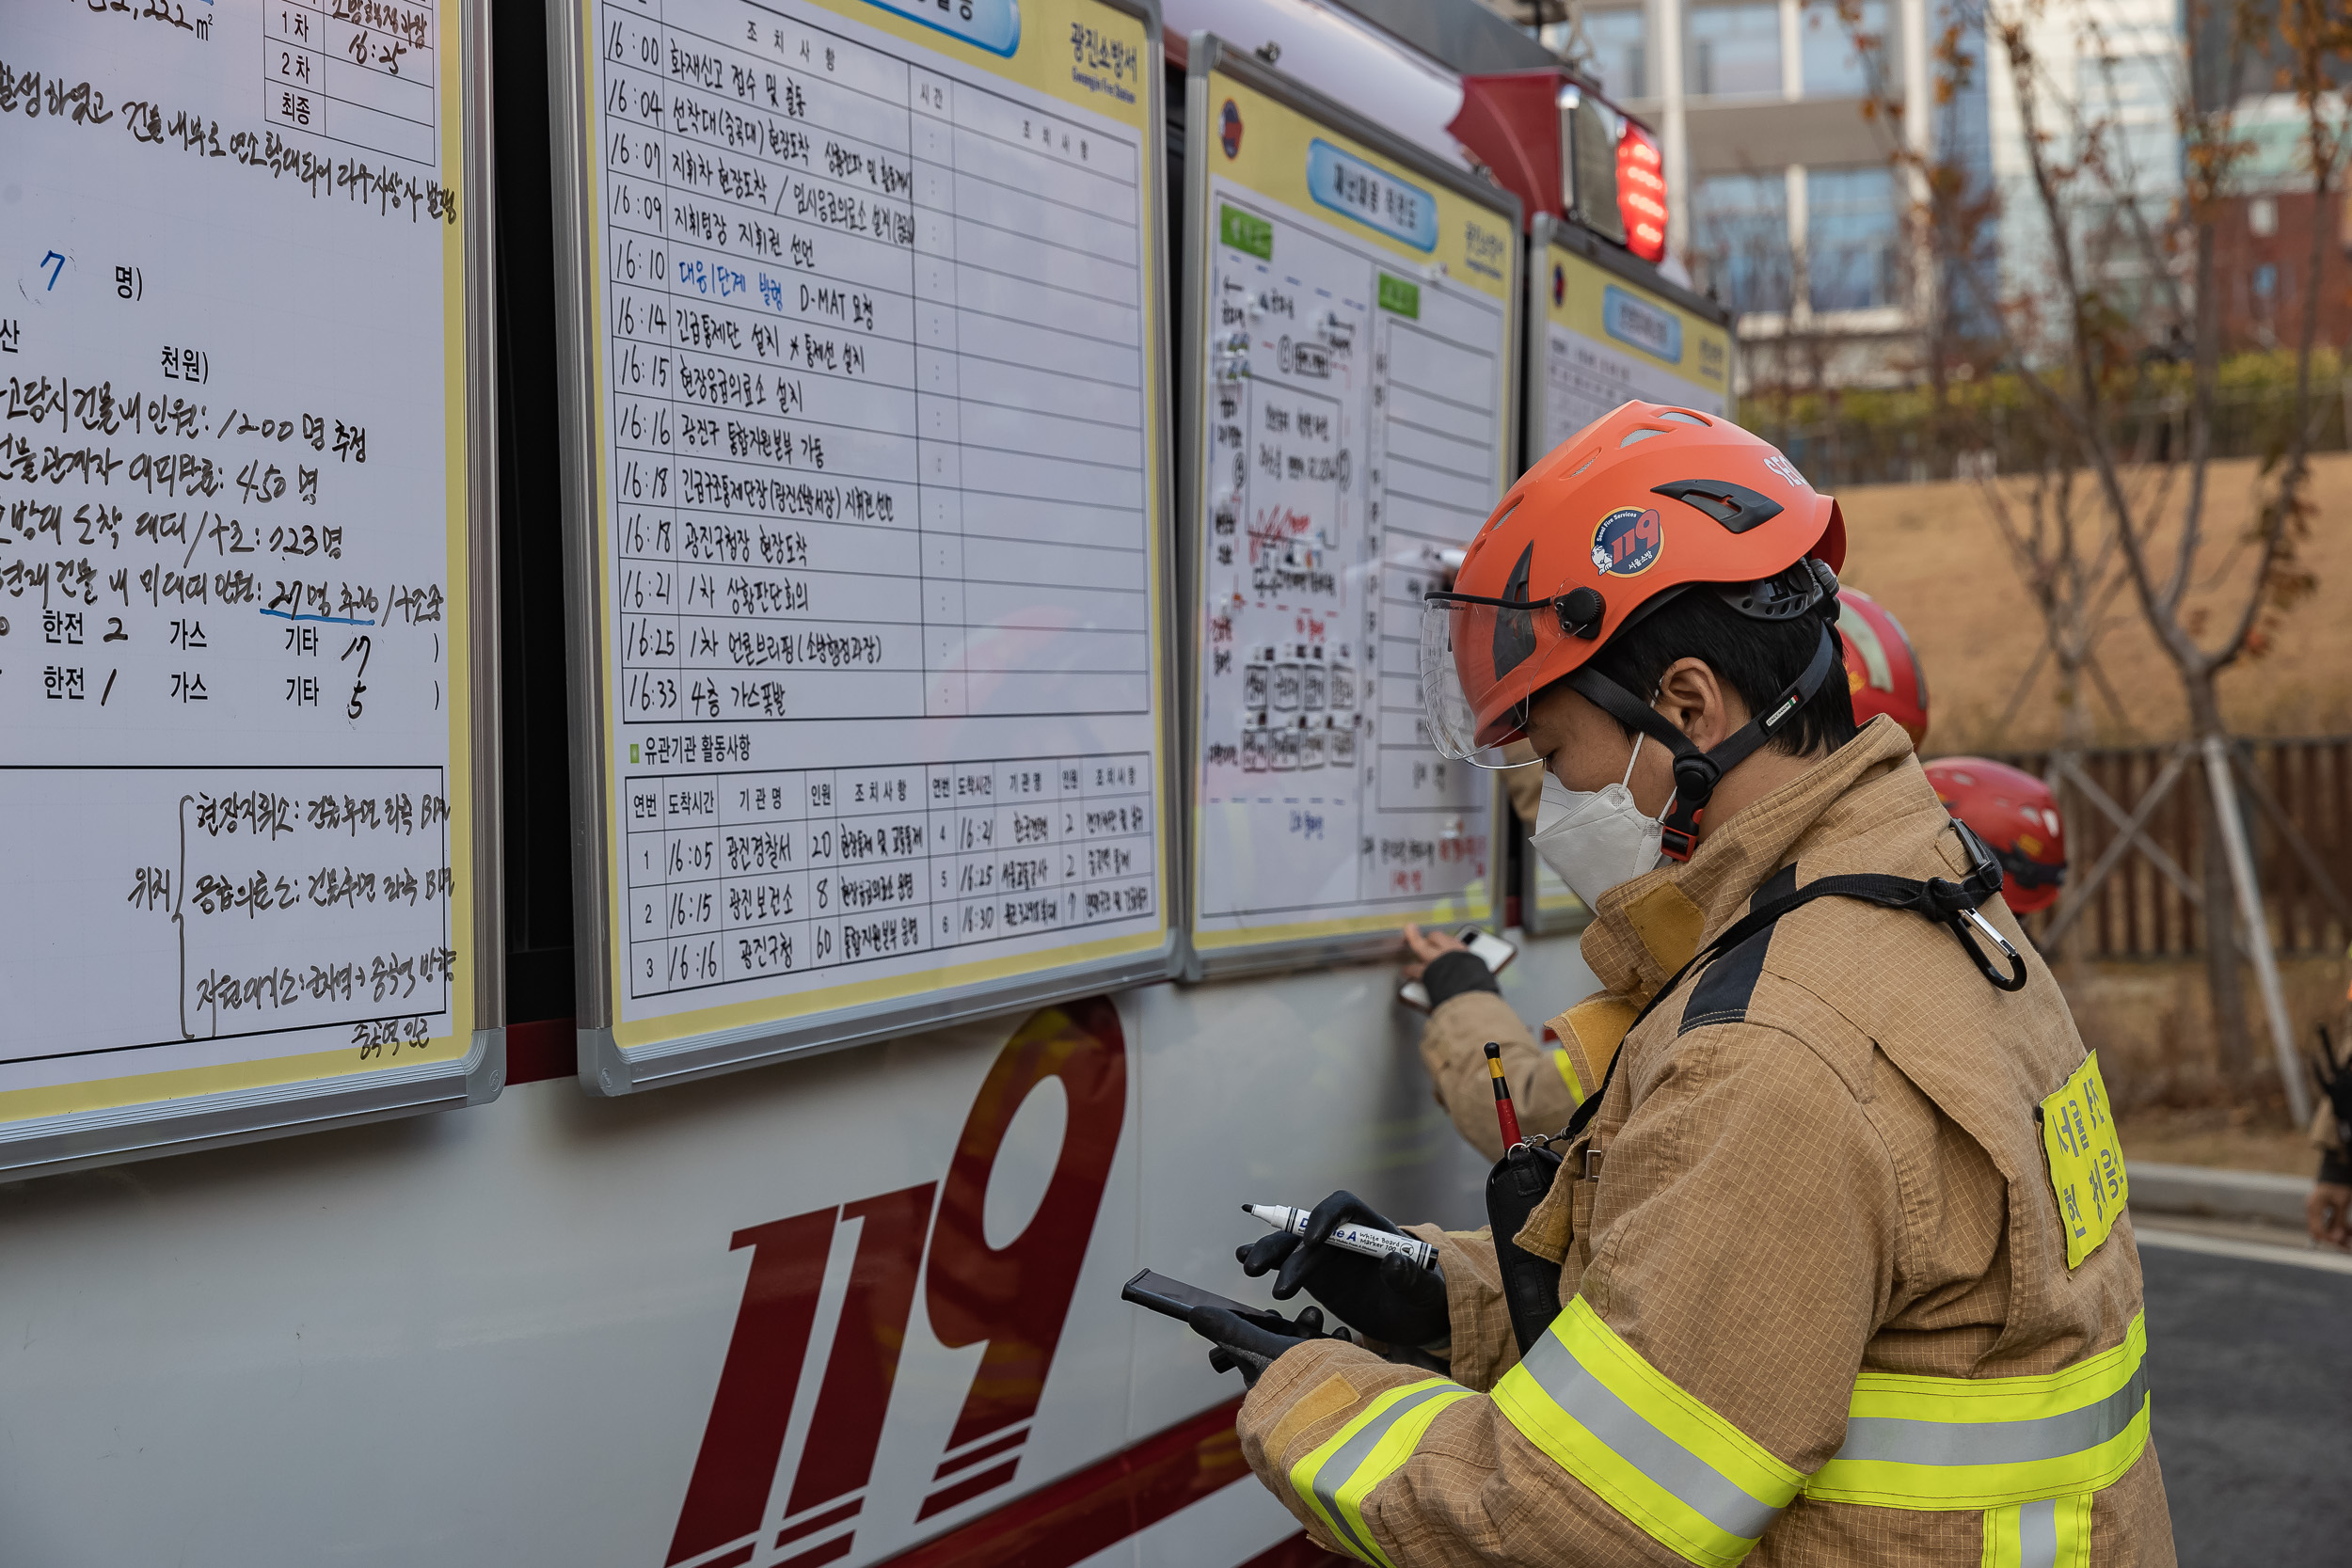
[1205,55]
[605,1067]
[46,1146]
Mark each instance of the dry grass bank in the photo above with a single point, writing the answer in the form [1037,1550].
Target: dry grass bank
[1931,553]
[2151,1025]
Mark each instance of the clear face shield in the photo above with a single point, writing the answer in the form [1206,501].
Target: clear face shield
[1491,630]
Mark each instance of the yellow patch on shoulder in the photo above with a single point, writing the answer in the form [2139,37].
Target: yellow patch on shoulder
[1333,1395]
[1668,924]
[2086,1159]
[1599,1024]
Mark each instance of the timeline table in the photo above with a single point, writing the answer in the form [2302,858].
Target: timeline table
[854,389]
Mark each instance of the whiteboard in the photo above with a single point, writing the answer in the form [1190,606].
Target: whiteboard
[1606,329]
[870,520]
[246,590]
[1351,317]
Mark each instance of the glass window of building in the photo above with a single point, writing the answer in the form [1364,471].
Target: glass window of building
[1740,239]
[1852,239]
[1833,68]
[2129,99]
[1732,50]
[1620,57]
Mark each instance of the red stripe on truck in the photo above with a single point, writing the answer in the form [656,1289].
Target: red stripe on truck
[1079,1515]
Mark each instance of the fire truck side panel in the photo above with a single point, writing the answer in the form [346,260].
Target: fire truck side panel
[529,1334]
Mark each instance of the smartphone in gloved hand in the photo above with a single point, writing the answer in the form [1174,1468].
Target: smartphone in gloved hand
[1173,1298]
[1492,948]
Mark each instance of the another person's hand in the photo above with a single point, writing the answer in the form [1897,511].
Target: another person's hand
[2327,1212]
[1426,945]
[1388,1298]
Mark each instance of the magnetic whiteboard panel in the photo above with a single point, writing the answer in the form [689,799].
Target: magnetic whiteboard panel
[874,321]
[1605,337]
[1352,319]
[238,655]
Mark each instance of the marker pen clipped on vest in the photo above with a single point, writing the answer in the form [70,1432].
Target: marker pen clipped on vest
[1353,1238]
[1505,1112]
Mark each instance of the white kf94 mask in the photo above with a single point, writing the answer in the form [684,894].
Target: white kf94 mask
[1595,840]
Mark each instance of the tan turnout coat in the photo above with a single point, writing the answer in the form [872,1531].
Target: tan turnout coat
[1817,1164]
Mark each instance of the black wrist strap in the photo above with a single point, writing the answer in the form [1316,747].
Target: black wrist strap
[1939,899]
[1451,974]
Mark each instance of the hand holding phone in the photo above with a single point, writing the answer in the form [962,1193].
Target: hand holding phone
[1492,949]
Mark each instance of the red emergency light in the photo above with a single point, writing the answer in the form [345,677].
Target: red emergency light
[1641,191]
[1563,149]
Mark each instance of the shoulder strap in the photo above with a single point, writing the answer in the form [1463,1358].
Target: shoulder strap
[1939,899]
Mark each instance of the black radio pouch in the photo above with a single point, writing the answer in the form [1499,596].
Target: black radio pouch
[1531,1285]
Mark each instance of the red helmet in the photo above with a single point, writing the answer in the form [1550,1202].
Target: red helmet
[1882,667]
[2016,816]
[1635,508]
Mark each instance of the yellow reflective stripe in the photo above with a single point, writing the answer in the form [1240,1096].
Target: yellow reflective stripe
[1966,1443]
[1334,1478]
[1687,1478]
[2054,1533]
[1567,1072]
[2004,1399]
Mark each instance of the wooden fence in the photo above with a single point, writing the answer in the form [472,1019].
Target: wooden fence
[2296,799]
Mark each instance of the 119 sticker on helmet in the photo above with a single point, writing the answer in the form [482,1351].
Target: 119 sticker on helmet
[1627,541]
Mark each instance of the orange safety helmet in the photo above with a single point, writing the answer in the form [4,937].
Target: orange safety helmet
[1882,667]
[2016,816]
[1636,507]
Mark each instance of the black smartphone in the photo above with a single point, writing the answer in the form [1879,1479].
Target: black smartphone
[1173,1298]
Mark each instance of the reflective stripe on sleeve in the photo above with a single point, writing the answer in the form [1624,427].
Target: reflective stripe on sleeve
[1963,1443]
[2054,1533]
[1680,1473]
[1568,1073]
[1335,1478]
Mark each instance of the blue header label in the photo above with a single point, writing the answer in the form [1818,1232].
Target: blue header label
[991,25]
[1376,200]
[1632,319]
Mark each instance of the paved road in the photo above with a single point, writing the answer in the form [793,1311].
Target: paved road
[2250,1364]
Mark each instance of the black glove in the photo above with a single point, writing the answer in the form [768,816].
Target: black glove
[1449,974]
[1388,1298]
[2335,1082]
[1246,1345]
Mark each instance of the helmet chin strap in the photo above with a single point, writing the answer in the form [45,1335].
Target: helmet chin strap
[1697,772]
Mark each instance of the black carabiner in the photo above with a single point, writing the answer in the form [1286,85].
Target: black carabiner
[2015,979]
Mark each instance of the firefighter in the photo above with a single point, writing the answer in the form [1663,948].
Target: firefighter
[2013,812]
[1842,1274]
[2328,1210]
[2016,815]
[1550,1079]
[1883,673]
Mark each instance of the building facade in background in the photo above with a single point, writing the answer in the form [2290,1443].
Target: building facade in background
[2111,81]
[2262,236]
[1787,200]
